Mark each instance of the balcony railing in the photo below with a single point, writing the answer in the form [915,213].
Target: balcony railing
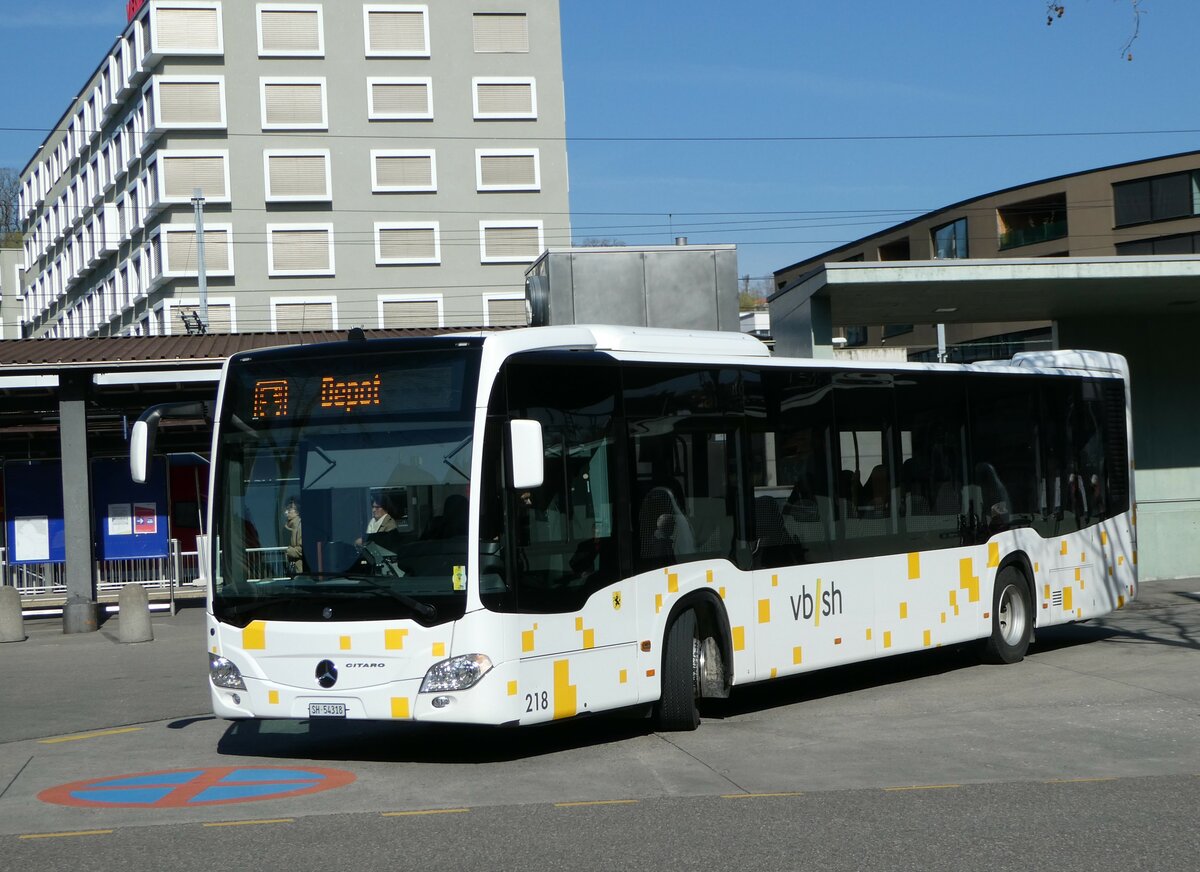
[1030,235]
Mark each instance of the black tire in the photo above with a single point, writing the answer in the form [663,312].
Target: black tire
[676,710]
[1012,618]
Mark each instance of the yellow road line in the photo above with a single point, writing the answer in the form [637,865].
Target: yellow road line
[756,795]
[65,835]
[425,811]
[924,787]
[250,823]
[1078,780]
[596,802]
[93,735]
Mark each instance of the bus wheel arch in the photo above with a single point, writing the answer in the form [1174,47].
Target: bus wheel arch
[696,660]
[1013,612]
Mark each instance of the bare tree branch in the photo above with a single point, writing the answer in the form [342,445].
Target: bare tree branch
[1055,11]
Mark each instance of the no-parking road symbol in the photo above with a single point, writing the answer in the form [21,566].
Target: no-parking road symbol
[189,788]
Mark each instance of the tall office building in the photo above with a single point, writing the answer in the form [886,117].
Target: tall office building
[360,164]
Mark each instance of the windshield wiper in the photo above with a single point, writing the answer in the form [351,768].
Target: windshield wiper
[425,610]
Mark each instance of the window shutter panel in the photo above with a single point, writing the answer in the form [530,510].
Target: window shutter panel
[400,98]
[408,243]
[511,242]
[500,33]
[298,250]
[189,102]
[505,98]
[297,175]
[516,170]
[506,313]
[294,103]
[182,30]
[304,316]
[410,313]
[286,30]
[404,171]
[220,316]
[182,175]
[399,31]
[182,255]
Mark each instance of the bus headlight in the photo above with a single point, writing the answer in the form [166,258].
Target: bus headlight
[224,673]
[457,673]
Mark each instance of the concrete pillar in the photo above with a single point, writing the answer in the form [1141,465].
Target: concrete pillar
[802,326]
[81,613]
[133,625]
[12,622]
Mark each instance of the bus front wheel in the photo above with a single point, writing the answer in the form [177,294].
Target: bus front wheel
[676,710]
[1012,618]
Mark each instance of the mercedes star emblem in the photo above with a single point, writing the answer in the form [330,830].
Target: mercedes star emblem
[326,673]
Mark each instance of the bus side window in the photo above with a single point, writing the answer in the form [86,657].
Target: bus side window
[864,411]
[932,419]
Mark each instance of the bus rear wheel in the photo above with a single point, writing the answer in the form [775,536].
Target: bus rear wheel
[676,710]
[1012,618]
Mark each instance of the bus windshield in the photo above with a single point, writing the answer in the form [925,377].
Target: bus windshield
[341,488]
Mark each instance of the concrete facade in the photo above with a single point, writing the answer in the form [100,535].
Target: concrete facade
[11,299]
[363,164]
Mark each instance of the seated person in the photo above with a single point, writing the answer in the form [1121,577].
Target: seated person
[381,520]
[452,521]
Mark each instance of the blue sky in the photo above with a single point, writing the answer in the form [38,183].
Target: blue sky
[795,109]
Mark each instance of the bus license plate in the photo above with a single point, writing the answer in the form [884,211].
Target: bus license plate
[326,709]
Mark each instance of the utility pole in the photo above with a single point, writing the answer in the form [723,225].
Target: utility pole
[202,271]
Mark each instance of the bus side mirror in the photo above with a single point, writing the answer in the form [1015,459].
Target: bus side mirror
[525,450]
[141,447]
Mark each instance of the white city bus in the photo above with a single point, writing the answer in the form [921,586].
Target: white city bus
[545,523]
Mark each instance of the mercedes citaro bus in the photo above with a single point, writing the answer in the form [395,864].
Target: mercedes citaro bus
[544,523]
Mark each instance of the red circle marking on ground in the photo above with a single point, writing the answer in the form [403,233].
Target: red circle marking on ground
[201,786]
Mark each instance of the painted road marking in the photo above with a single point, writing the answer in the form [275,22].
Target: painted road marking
[66,835]
[756,795]
[189,788]
[596,802]
[924,787]
[93,735]
[250,823]
[425,811]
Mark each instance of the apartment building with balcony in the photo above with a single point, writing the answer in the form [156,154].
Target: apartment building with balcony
[360,164]
[1146,207]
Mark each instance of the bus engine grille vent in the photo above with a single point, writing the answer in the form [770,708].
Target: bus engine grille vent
[1056,599]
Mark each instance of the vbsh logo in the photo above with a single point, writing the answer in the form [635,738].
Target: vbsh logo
[805,606]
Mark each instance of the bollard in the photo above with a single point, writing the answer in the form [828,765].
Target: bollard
[12,622]
[133,625]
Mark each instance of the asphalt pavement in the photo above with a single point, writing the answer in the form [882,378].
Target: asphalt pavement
[1085,754]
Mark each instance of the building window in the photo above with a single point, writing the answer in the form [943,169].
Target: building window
[1032,221]
[185,102]
[504,169]
[950,240]
[500,32]
[1159,198]
[396,99]
[504,310]
[300,250]
[304,313]
[510,241]
[288,30]
[897,249]
[504,98]
[408,243]
[403,170]
[184,171]
[411,310]
[1180,243]
[396,31]
[221,318]
[180,254]
[293,104]
[185,28]
[296,176]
